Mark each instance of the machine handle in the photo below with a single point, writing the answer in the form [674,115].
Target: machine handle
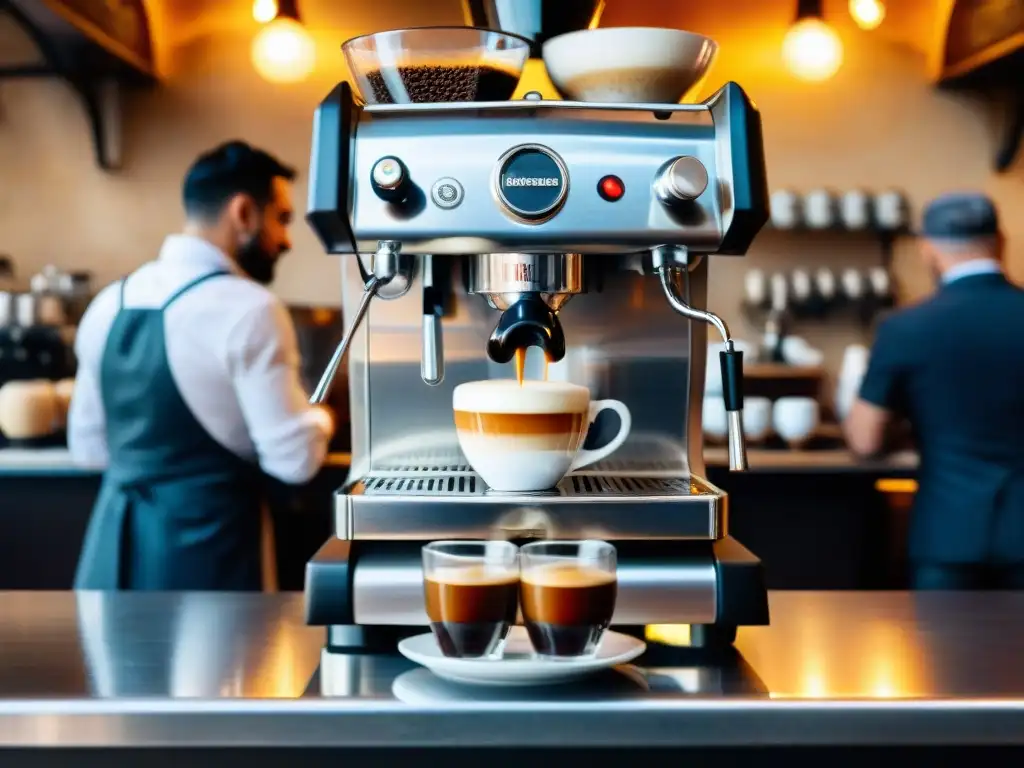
[323,389]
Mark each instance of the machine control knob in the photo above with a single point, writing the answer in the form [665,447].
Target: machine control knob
[681,180]
[390,179]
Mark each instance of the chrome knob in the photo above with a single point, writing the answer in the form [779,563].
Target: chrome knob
[681,180]
[389,179]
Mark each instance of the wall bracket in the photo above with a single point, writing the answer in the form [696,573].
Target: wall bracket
[1013,134]
[94,74]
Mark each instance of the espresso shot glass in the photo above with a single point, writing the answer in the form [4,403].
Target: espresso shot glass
[472,595]
[567,595]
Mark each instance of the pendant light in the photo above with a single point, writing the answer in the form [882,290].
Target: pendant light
[283,51]
[868,14]
[812,50]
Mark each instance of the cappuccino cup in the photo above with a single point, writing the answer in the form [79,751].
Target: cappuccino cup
[527,437]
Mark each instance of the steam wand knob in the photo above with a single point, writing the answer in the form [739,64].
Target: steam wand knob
[731,361]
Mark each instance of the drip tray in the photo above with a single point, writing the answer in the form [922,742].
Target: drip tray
[575,485]
[405,505]
[639,457]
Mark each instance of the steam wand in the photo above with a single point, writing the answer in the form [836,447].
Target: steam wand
[389,271]
[732,371]
[323,389]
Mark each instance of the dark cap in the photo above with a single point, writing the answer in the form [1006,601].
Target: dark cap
[960,216]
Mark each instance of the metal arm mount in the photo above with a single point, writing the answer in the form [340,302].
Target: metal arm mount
[732,368]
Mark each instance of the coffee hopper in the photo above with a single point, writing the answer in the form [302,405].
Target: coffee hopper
[432,65]
[644,65]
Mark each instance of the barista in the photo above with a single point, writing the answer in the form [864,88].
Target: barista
[952,366]
[188,391]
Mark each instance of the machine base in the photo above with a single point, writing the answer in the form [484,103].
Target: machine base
[383,639]
[369,593]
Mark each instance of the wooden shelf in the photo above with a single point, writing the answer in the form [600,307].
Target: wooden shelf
[783,371]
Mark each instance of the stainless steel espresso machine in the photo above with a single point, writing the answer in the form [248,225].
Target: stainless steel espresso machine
[472,229]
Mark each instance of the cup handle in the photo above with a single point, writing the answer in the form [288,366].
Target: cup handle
[584,456]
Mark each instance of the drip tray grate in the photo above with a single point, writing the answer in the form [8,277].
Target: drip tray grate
[434,485]
[454,506]
[598,485]
[402,484]
[456,465]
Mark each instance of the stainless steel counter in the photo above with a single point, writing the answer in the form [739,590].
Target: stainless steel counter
[136,669]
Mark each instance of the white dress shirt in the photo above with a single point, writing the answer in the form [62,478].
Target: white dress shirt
[232,350]
[970,268]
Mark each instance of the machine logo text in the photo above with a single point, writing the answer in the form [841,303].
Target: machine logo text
[531,181]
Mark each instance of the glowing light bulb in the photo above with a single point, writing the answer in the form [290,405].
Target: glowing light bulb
[812,50]
[868,14]
[284,52]
[264,10]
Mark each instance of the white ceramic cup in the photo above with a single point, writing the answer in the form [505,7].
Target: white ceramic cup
[785,209]
[852,282]
[527,437]
[795,418]
[800,284]
[797,351]
[757,418]
[890,210]
[855,209]
[713,419]
[825,283]
[779,289]
[755,287]
[819,209]
[880,282]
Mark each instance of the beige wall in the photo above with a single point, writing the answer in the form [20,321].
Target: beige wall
[877,124]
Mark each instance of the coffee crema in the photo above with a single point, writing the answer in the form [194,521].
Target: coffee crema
[441,82]
[471,608]
[634,84]
[567,607]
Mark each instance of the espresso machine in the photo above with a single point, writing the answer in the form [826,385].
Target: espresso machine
[582,232]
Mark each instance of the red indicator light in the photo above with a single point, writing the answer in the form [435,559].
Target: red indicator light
[611,188]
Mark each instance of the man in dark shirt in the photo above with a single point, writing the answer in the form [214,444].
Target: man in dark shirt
[952,366]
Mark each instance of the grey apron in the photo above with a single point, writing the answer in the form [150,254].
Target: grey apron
[176,510]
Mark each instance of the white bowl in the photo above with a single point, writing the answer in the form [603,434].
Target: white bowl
[795,419]
[628,64]
[757,418]
[713,418]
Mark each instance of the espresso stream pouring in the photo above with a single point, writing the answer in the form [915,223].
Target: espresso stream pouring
[468,230]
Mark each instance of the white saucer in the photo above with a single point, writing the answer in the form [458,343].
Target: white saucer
[519,666]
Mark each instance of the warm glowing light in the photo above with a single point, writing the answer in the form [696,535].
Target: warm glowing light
[896,485]
[668,634]
[264,10]
[284,52]
[812,50]
[868,14]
